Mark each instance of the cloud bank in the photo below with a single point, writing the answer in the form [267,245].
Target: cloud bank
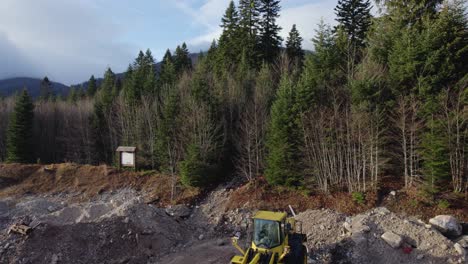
[65,40]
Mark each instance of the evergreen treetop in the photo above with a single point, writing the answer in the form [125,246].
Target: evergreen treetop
[294,47]
[270,40]
[92,87]
[355,18]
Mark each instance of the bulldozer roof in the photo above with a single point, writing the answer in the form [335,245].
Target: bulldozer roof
[267,215]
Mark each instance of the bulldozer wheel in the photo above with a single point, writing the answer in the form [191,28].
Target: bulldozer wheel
[298,253]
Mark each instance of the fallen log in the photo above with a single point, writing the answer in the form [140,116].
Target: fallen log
[20,229]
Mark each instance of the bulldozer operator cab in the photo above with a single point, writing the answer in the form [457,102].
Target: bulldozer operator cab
[275,240]
[267,233]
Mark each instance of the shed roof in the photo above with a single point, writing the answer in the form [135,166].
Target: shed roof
[126,149]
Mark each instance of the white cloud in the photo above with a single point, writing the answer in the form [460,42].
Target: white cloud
[306,18]
[66,40]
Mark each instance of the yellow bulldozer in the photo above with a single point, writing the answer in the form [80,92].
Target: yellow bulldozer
[277,239]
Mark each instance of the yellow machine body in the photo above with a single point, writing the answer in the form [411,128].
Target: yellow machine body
[271,241]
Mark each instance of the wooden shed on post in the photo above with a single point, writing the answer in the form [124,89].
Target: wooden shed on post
[127,157]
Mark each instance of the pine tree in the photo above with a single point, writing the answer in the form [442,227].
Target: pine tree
[129,91]
[46,91]
[195,170]
[294,47]
[166,133]
[283,137]
[211,55]
[72,95]
[92,87]
[435,155]
[355,18]
[249,25]
[167,75]
[20,146]
[228,48]
[182,61]
[99,126]
[270,41]
[410,12]
[322,71]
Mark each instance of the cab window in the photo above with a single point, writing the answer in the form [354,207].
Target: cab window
[267,233]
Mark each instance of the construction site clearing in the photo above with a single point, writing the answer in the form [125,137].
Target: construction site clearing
[68,213]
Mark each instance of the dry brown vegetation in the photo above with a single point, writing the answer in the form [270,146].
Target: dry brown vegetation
[260,195]
[87,181]
[84,182]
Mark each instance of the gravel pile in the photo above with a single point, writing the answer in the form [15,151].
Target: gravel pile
[377,236]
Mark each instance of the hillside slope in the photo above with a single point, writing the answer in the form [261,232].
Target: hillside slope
[33,85]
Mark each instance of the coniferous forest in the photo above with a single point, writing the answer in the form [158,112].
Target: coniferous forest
[382,95]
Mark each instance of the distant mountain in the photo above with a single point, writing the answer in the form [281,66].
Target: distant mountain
[193,56]
[33,85]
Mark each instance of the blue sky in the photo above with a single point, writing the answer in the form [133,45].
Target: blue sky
[68,40]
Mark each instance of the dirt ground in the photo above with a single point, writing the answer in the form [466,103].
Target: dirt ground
[114,217]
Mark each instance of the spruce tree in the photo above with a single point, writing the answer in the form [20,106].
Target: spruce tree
[270,41]
[92,87]
[283,137]
[249,25]
[294,47]
[167,75]
[99,126]
[129,92]
[166,132]
[20,146]
[182,61]
[72,95]
[355,18]
[228,48]
[46,91]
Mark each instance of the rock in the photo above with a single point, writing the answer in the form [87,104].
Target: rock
[428,226]
[392,239]
[54,259]
[220,242]
[444,247]
[358,238]
[393,193]
[463,241]
[200,237]
[460,250]
[447,225]
[180,210]
[420,256]
[347,226]
[381,210]
[53,208]
[126,220]
[322,227]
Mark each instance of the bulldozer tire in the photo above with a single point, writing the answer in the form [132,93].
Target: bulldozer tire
[298,254]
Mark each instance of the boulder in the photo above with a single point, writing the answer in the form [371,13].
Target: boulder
[180,210]
[381,211]
[463,241]
[447,225]
[392,239]
[460,250]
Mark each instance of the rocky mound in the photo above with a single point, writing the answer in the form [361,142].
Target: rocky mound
[116,229]
[377,236]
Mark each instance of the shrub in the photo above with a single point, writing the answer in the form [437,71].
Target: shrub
[196,172]
[443,204]
[413,203]
[358,197]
